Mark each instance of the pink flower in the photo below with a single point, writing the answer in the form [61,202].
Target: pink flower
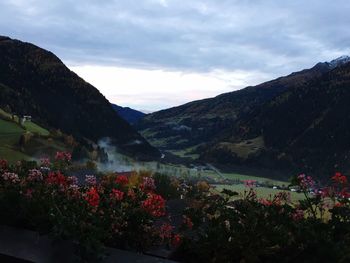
[11,177]
[148,184]
[90,180]
[45,162]
[306,182]
[298,215]
[35,175]
[249,183]
[72,180]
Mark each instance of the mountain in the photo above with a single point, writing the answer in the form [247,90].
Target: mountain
[130,115]
[35,82]
[296,123]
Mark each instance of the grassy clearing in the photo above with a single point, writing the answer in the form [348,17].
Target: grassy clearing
[262,192]
[10,133]
[34,128]
[245,148]
[12,155]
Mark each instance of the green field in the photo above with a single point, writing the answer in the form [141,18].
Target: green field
[34,128]
[262,192]
[11,132]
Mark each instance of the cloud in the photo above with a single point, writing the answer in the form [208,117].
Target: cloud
[199,36]
[152,90]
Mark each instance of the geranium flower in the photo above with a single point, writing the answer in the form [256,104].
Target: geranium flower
[35,175]
[56,178]
[306,182]
[166,231]
[122,180]
[148,184]
[11,177]
[90,180]
[176,241]
[187,221]
[298,215]
[92,197]
[117,195]
[339,178]
[249,183]
[63,156]
[3,165]
[154,205]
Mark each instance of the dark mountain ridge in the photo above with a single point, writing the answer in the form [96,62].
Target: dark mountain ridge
[35,82]
[282,124]
[130,115]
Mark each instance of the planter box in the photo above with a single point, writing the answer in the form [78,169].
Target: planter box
[19,245]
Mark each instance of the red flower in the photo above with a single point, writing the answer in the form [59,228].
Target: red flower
[131,194]
[92,197]
[339,178]
[56,178]
[176,240]
[166,231]
[117,195]
[3,165]
[122,180]
[188,222]
[63,156]
[265,202]
[154,205]
[298,215]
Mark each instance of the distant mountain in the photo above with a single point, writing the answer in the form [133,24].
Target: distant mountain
[33,81]
[297,123]
[130,115]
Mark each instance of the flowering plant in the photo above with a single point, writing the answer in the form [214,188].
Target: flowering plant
[95,213]
[219,228]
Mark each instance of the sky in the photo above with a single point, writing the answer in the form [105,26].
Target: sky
[156,54]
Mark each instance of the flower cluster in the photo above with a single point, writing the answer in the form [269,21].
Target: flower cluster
[63,156]
[45,162]
[92,197]
[117,195]
[90,180]
[3,165]
[122,179]
[11,177]
[148,184]
[154,205]
[35,175]
[339,178]
[306,182]
[110,210]
[249,183]
[56,178]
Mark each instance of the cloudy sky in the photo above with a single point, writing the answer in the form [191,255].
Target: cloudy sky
[154,54]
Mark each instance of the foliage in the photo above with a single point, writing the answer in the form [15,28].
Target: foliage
[92,214]
[316,229]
